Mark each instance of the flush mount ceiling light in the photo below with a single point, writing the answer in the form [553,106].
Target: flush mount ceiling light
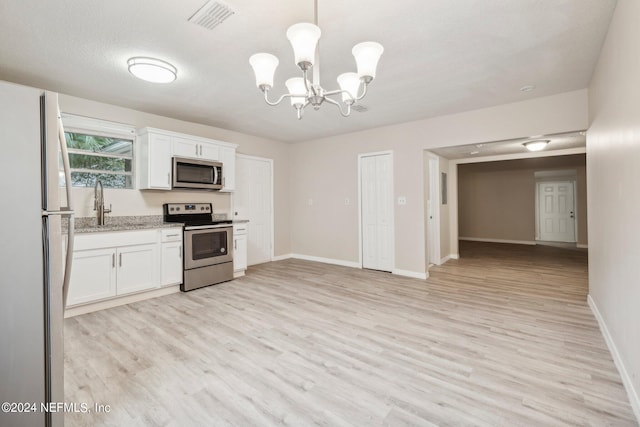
[527,88]
[304,40]
[536,145]
[152,70]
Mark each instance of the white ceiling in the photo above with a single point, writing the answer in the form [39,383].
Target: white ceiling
[559,141]
[441,56]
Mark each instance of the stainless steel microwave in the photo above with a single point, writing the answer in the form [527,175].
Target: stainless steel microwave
[197,174]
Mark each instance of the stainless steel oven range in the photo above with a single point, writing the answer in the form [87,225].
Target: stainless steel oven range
[208,244]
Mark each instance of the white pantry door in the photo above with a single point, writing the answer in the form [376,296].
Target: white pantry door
[376,182]
[252,200]
[556,215]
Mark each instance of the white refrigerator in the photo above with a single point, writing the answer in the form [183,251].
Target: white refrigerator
[33,266]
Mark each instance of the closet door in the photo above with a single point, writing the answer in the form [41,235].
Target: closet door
[376,183]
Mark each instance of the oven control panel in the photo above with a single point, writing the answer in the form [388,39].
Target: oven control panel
[187,208]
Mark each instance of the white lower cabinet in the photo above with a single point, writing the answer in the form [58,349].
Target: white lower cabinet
[112,264]
[137,268]
[171,257]
[239,248]
[93,276]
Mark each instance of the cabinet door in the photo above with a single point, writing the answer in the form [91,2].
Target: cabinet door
[183,147]
[209,151]
[137,268]
[171,264]
[240,252]
[93,276]
[228,159]
[159,162]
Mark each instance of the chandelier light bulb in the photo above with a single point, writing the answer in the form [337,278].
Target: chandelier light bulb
[350,83]
[264,66]
[304,39]
[367,55]
[296,87]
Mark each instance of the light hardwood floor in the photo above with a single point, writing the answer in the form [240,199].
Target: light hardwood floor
[501,337]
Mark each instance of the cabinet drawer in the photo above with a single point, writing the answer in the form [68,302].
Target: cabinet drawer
[171,234]
[239,229]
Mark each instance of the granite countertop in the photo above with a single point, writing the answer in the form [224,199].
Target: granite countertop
[120,223]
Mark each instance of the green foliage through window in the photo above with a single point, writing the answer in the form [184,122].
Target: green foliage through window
[97,157]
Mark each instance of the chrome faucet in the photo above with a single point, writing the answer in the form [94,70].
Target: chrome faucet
[98,203]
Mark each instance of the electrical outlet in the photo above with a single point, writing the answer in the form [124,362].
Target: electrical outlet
[347,202]
[402,200]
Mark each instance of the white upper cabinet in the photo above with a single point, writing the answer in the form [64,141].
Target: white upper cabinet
[156,148]
[154,161]
[210,151]
[183,147]
[228,159]
[195,148]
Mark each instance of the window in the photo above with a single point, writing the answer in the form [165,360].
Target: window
[99,150]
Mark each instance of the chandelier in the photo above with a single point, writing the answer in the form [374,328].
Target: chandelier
[304,40]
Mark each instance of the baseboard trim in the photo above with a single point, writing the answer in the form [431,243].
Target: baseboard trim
[581,246]
[281,257]
[412,274]
[117,301]
[326,260]
[513,242]
[454,256]
[626,380]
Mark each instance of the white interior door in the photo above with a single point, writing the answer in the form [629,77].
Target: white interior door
[376,191]
[556,212]
[253,200]
[433,213]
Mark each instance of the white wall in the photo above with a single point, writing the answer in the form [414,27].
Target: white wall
[613,175]
[325,170]
[149,202]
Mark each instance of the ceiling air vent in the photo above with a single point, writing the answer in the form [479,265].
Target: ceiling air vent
[360,108]
[211,15]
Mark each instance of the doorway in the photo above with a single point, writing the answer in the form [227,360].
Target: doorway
[376,210]
[253,201]
[556,211]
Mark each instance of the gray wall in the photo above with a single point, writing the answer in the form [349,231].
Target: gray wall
[496,200]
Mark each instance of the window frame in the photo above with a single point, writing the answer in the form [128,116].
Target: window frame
[97,127]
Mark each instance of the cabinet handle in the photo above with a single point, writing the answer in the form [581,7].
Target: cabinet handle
[224,180]
[172,235]
[168,177]
[235,245]
[113,260]
[201,149]
[196,149]
[120,260]
[180,251]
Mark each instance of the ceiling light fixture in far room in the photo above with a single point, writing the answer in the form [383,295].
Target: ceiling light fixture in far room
[536,145]
[527,88]
[152,70]
[304,40]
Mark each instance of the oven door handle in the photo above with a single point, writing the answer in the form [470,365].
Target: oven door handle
[207,227]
